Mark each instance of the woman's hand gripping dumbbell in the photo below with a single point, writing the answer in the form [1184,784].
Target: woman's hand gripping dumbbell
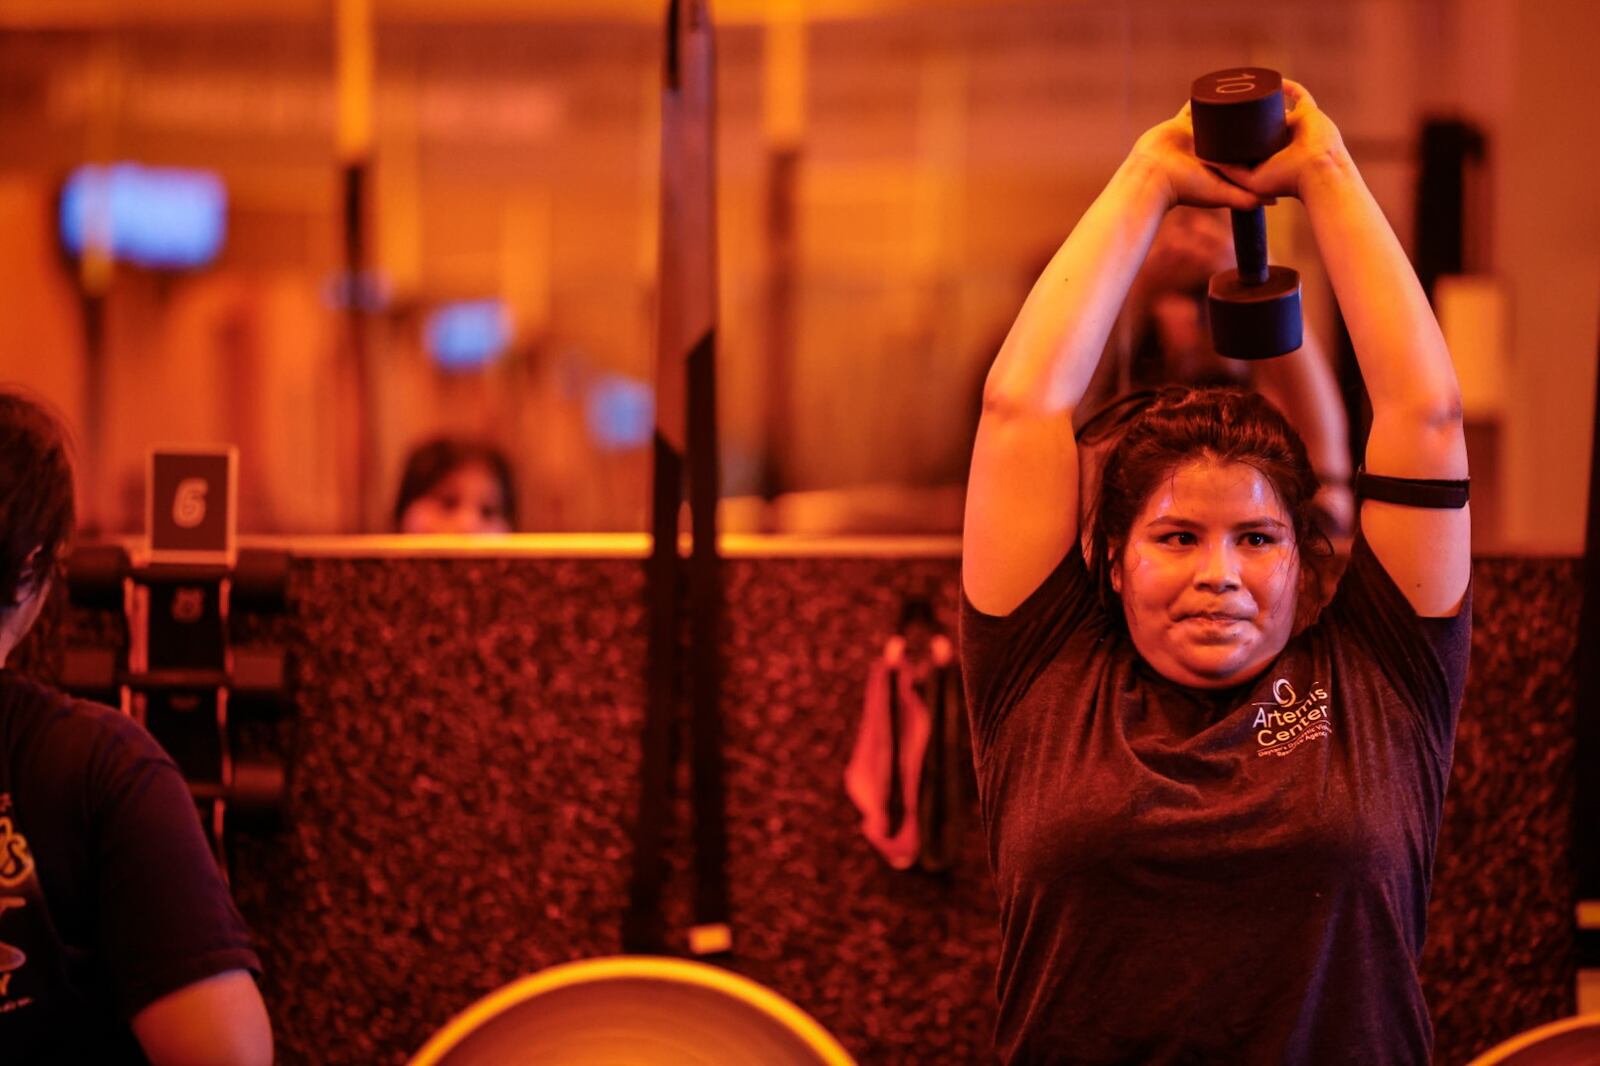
[1240,123]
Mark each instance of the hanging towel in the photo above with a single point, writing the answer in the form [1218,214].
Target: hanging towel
[946,786]
[885,768]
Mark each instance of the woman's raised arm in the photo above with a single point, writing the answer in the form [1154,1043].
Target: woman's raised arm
[1416,401]
[1022,491]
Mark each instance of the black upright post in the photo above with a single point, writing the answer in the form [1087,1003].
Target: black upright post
[710,934]
[356,297]
[685,444]
[783,177]
[1446,149]
[1586,808]
[95,412]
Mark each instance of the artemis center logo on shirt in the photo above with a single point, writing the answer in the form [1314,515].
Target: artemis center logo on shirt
[1291,720]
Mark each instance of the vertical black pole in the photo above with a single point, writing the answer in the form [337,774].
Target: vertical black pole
[1446,149]
[711,933]
[93,431]
[353,43]
[685,443]
[360,365]
[1586,806]
[783,171]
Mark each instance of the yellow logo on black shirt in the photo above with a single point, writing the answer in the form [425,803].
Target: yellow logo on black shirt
[16,867]
[16,861]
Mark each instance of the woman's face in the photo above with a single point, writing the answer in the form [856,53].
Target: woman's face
[1209,575]
[466,500]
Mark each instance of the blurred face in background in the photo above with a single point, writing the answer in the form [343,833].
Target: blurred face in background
[1192,244]
[469,499]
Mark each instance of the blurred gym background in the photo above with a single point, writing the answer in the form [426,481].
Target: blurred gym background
[413,217]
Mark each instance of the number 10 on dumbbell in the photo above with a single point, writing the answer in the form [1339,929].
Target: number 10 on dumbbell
[1239,119]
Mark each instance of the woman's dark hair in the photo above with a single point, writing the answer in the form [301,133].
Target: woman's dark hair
[1154,433]
[434,460]
[36,506]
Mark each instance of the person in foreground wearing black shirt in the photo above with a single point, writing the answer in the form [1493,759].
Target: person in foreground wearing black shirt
[118,940]
[1211,810]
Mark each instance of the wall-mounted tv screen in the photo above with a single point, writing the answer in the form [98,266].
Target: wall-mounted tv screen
[620,412]
[467,335]
[151,216]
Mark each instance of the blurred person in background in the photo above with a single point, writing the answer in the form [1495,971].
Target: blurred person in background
[456,486]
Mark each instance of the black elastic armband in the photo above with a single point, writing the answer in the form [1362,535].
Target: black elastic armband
[1436,493]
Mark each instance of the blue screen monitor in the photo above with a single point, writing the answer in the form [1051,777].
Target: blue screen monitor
[151,216]
[468,335]
[620,412]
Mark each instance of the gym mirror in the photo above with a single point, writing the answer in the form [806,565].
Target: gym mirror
[442,222]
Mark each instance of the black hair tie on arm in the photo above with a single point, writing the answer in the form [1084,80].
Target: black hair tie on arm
[1436,493]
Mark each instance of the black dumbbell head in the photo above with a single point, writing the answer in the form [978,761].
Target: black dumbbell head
[260,580]
[92,672]
[257,787]
[95,573]
[1255,321]
[258,670]
[254,788]
[1238,115]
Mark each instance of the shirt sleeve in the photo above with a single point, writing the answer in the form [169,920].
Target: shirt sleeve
[1426,658]
[165,917]
[1002,655]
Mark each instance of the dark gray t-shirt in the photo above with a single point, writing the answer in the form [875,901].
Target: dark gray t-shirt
[1232,877]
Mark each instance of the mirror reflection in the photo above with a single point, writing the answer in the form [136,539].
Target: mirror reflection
[337,245]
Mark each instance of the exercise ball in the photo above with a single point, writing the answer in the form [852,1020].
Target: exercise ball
[1568,1042]
[632,1010]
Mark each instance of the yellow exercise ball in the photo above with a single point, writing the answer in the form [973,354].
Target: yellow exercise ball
[633,1010]
[1568,1042]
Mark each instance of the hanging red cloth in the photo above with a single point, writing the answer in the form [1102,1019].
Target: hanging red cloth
[884,775]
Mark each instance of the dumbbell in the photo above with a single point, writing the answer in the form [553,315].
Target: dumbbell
[92,672]
[95,572]
[250,792]
[259,675]
[94,575]
[259,678]
[1239,119]
[260,580]
[252,788]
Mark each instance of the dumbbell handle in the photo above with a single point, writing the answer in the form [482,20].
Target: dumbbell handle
[1250,244]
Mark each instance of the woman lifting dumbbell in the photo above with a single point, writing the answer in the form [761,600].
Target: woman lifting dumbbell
[118,941]
[1211,808]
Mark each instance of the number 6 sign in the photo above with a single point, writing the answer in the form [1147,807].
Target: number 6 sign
[191,505]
